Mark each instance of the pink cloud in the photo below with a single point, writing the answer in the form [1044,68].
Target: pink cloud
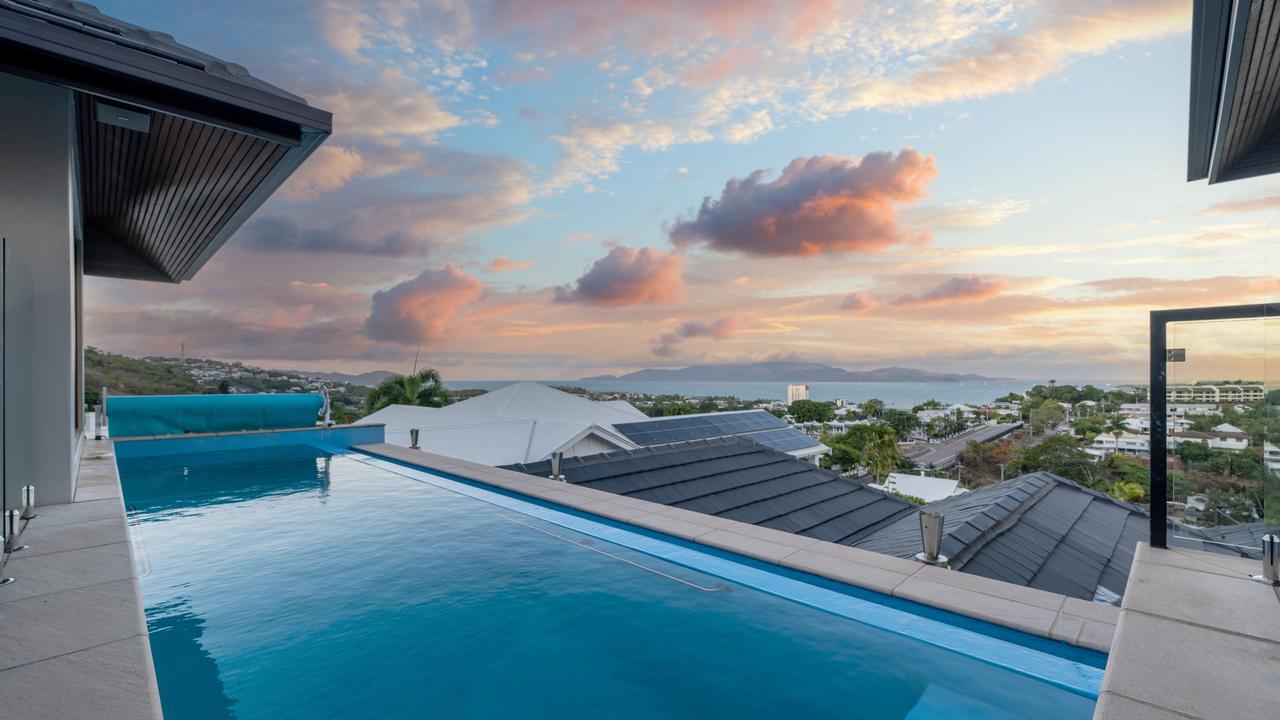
[859,302]
[329,168]
[502,263]
[425,308]
[956,290]
[1270,202]
[665,344]
[818,205]
[628,276]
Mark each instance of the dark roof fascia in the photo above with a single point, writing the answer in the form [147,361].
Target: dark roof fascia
[1209,31]
[292,159]
[51,53]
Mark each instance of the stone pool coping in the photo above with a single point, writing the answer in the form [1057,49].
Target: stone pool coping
[1035,612]
[73,637]
[1197,639]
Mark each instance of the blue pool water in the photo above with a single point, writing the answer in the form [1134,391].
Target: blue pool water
[289,583]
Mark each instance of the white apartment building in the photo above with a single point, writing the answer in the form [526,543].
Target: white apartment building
[1215,440]
[1126,443]
[1214,393]
[797,392]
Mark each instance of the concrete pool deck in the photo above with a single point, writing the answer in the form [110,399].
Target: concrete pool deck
[73,637]
[1028,610]
[1197,639]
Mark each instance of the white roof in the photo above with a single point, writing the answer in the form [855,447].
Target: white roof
[929,489]
[1227,427]
[524,422]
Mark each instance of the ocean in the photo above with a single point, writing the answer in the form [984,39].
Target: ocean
[894,394]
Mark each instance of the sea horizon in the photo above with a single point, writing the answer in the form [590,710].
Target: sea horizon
[904,394]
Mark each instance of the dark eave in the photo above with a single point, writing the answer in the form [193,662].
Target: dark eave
[1234,121]
[160,195]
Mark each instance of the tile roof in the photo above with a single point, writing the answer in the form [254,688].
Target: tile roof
[735,478]
[1038,530]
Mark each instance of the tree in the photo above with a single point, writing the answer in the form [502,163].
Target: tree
[1086,428]
[901,421]
[1061,455]
[812,411]
[873,407]
[422,388]
[1116,426]
[1128,491]
[1049,414]
[874,447]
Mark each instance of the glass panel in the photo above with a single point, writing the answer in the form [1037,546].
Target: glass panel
[1222,421]
[15,380]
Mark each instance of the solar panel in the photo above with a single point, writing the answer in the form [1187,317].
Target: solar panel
[663,431]
[782,440]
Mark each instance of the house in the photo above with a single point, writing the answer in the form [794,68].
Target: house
[125,155]
[1126,443]
[1228,428]
[527,422]
[523,422]
[925,487]
[1215,440]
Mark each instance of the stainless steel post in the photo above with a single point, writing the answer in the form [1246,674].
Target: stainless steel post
[556,458]
[1270,560]
[413,439]
[12,527]
[28,502]
[931,538]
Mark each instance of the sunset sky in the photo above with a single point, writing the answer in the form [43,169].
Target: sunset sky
[558,189]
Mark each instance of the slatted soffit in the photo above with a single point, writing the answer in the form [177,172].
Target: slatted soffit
[1234,129]
[175,148]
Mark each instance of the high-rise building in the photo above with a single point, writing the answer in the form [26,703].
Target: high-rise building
[797,392]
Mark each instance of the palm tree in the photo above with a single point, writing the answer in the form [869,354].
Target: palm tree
[1116,426]
[873,408]
[422,388]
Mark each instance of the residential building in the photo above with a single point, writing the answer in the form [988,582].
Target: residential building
[97,117]
[1215,440]
[1127,443]
[924,487]
[797,392]
[1215,394]
[523,422]
[527,422]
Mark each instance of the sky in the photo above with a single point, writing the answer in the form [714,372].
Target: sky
[556,189]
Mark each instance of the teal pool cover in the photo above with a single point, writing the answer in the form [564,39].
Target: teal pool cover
[140,415]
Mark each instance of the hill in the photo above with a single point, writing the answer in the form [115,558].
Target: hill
[791,371]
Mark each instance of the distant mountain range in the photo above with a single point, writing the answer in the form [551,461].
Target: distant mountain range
[369,379]
[792,371]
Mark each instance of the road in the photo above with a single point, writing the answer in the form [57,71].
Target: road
[943,455]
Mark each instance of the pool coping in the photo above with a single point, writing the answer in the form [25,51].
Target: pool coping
[1035,612]
[73,634]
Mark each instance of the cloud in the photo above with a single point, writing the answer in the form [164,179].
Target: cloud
[665,344]
[1270,202]
[280,235]
[628,276]
[859,302]
[1002,62]
[502,263]
[329,168]
[818,205]
[424,309]
[393,106]
[956,290]
[968,214]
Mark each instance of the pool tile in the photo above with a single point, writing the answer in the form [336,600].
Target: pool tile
[996,588]
[79,512]
[56,572]
[672,526]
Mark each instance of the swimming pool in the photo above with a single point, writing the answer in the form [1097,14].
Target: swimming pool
[292,582]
